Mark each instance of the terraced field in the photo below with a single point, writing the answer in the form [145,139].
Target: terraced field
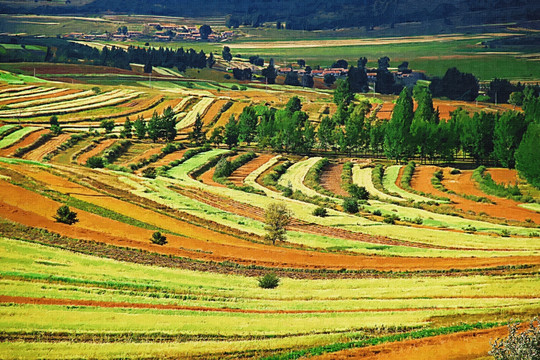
[351,285]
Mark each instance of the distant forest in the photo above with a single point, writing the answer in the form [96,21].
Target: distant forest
[310,14]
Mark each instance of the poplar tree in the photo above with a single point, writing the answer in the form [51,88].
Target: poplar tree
[397,139]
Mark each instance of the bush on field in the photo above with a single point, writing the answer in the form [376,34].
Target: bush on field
[522,346]
[350,205]
[158,238]
[65,215]
[358,192]
[320,211]
[150,172]
[268,281]
[95,162]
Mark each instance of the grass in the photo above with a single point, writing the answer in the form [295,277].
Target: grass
[389,182]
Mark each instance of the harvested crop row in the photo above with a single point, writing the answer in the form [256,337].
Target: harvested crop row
[391,175]
[16,89]
[198,110]
[16,136]
[331,179]
[39,153]
[363,176]
[25,93]
[236,109]
[50,100]
[237,176]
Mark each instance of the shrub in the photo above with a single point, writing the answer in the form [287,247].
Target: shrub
[276,218]
[287,191]
[390,219]
[377,212]
[350,205]
[227,76]
[65,215]
[95,162]
[150,172]
[234,87]
[469,229]
[158,238]
[522,346]
[455,171]
[268,281]
[505,233]
[320,211]
[358,192]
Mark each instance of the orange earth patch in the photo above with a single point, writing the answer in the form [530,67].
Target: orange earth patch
[237,177]
[331,179]
[468,345]
[51,145]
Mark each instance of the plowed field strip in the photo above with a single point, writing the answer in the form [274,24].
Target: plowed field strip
[28,140]
[177,155]
[213,111]
[236,109]
[505,208]
[81,160]
[110,304]
[39,153]
[459,346]
[237,177]
[503,176]
[331,179]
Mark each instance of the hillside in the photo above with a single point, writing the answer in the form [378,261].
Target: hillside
[308,14]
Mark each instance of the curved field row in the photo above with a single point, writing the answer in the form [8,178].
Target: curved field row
[26,93]
[363,177]
[43,272]
[199,109]
[390,178]
[331,179]
[501,208]
[6,128]
[464,184]
[11,102]
[25,141]
[83,158]
[16,89]
[51,145]
[49,100]
[213,111]
[14,103]
[464,345]
[503,176]
[237,176]
[295,175]
[139,151]
[236,109]
[303,211]
[102,100]
[14,137]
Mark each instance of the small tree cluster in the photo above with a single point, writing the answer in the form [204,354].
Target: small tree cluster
[518,346]
[158,238]
[65,215]
[277,217]
[268,281]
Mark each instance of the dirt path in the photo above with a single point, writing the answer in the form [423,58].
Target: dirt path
[27,140]
[51,145]
[331,179]
[468,345]
[83,158]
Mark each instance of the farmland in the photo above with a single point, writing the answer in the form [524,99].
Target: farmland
[436,251]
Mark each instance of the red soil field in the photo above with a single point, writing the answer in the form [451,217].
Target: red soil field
[463,184]
[177,155]
[51,145]
[81,160]
[27,140]
[207,176]
[503,176]
[331,179]
[31,209]
[235,109]
[213,111]
[237,177]
[509,209]
[470,345]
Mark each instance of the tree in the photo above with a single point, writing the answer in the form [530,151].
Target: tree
[324,134]
[158,238]
[477,135]
[343,93]
[210,61]
[292,79]
[65,215]
[341,64]
[270,73]
[499,90]
[197,136]
[518,345]
[527,159]
[507,134]
[247,125]
[154,127]
[423,126]
[216,137]
[385,82]
[95,162]
[230,136]
[205,30]
[168,124]
[307,80]
[397,140]
[226,54]
[148,68]
[140,127]
[329,79]
[126,132]
[277,217]
[55,125]
[358,192]
[455,85]
[350,205]
[301,62]
[294,104]
[358,80]
[108,125]
[231,22]
[268,281]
